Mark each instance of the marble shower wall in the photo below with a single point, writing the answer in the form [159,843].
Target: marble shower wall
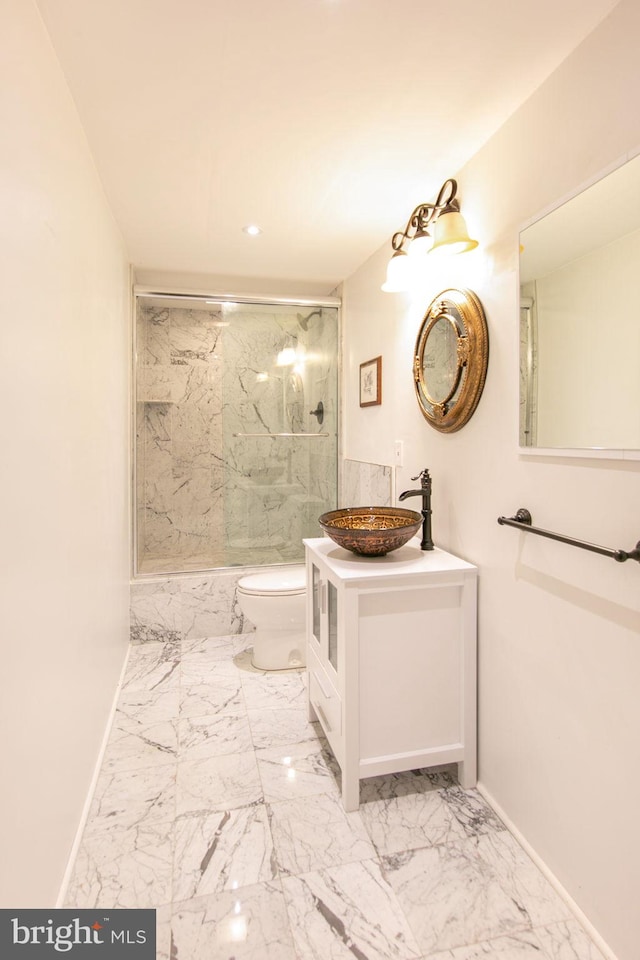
[187,608]
[168,609]
[366,484]
[207,496]
[180,472]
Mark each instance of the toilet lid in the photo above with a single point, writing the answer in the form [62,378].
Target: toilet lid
[286,582]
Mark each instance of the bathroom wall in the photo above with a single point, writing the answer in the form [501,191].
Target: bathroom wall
[64,472]
[559,628]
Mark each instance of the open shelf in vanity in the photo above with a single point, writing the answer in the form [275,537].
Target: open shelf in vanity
[391,660]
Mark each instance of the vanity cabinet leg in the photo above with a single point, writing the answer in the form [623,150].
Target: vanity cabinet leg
[350,792]
[467,777]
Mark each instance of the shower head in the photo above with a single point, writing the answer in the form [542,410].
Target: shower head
[304,321]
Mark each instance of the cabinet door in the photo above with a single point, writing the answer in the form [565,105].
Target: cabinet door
[317,594]
[332,617]
[323,622]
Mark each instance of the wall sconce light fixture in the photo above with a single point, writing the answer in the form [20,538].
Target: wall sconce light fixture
[450,235]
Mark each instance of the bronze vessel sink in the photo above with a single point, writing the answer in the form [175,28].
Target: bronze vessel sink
[371,531]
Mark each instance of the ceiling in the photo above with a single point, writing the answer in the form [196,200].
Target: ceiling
[323,121]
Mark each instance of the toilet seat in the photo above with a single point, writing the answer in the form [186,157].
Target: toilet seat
[289,582]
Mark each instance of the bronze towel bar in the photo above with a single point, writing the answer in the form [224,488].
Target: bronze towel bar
[522,520]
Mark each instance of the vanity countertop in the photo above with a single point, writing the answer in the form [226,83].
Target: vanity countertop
[408,560]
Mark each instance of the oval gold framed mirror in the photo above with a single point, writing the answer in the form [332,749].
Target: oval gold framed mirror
[451,359]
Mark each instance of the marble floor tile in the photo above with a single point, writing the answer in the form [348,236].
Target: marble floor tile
[223,851]
[560,941]
[275,690]
[160,650]
[206,664]
[567,941]
[218,794]
[409,781]
[242,647]
[163,933]
[207,648]
[124,868]
[472,811]
[242,663]
[451,896]
[133,798]
[153,671]
[522,878]
[149,707]
[247,924]
[217,783]
[345,912]
[314,832]
[523,945]
[133,745]
[275,727]
[222,695]
[200,737]
[298,770]
[412,821]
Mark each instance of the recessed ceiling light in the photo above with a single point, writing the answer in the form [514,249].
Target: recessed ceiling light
[252,230]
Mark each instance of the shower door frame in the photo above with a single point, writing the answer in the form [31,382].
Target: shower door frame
[159,293]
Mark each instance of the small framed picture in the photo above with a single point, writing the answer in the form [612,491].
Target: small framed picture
[371,382]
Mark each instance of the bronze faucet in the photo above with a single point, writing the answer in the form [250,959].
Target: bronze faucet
[425,493]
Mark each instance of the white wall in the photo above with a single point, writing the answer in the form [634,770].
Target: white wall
[63,463]
[559,628]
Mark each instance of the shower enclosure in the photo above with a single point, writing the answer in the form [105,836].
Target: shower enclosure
[236,451]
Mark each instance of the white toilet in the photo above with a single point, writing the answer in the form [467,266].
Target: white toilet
[275,603]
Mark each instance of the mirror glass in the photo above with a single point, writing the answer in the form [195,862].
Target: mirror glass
[580,320]
[450,359]
[440,366]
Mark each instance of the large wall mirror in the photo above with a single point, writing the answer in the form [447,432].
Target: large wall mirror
[580,321]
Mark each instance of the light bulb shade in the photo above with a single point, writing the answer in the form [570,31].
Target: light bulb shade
[398,273]
[451,234]
[421,243]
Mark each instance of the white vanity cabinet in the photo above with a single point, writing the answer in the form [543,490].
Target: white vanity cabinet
[391,660]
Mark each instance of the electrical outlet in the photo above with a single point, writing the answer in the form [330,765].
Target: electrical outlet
[398,453]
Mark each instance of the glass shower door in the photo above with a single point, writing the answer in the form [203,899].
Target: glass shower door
[236,425]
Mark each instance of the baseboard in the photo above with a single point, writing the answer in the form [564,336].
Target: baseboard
[590,930]
[92,786]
